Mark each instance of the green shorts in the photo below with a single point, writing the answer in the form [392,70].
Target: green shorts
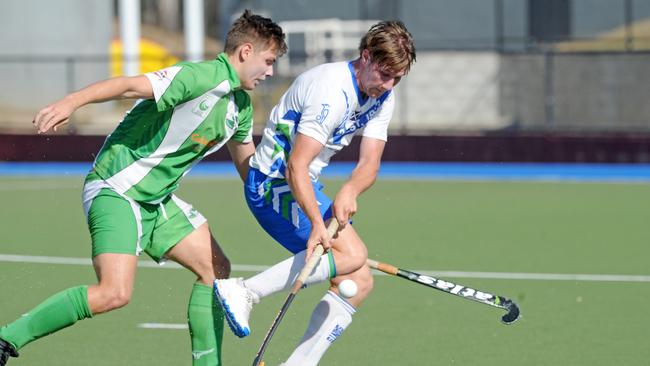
[119,224]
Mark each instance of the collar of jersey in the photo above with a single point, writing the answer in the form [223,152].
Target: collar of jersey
[233,78]
[360,97]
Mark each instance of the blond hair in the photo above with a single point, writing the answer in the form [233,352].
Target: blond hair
[390,45]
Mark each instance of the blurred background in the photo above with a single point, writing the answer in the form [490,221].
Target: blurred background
[493,78]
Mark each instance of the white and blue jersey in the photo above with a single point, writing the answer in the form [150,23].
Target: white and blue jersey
[324,103]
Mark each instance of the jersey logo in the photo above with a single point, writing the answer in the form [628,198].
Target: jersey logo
[232,115]
[356,121]
[202,142]
[323,113]
[204,106]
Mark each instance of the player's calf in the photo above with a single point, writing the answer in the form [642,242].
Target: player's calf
[364,281]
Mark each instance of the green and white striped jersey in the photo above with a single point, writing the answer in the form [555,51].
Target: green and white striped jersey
[197,108]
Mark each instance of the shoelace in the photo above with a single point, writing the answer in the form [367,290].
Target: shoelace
[249,301]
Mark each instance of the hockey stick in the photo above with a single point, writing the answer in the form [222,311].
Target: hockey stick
[454,289]
[297,285]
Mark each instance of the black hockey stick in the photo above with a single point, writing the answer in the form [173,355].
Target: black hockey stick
[455,289]
[297,285]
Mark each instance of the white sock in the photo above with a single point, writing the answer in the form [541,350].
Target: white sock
[329,319]
[282,275]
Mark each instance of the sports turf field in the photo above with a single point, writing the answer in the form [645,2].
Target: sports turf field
[552,230]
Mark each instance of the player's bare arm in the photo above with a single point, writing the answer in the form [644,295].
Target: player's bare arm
[57,114]
[362,178]
[297,175]
[241,153]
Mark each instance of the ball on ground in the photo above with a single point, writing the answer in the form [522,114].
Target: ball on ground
[348,288]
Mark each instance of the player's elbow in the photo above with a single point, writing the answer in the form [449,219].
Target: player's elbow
[137,87]
[373,168]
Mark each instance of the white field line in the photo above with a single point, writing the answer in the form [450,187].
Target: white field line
[444,274]
[37,186]
[162,326]
[88,262]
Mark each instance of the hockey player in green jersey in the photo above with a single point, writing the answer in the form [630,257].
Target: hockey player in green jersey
[183,113]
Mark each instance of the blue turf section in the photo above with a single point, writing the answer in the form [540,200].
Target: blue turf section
[401,170]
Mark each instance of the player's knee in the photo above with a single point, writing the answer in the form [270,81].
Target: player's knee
[116,298]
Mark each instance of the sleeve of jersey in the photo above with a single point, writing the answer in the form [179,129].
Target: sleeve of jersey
[171,85]
[322,112]
[244,133]
[378,126]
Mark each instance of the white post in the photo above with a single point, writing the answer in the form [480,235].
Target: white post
[194,29]
[129,12]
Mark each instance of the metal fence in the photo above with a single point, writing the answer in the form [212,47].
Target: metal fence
[457,91]
[526,91]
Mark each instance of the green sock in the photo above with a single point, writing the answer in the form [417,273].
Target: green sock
[59,311]
[205,319]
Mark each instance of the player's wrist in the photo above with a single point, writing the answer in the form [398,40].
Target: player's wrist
[74,100]
[349,190]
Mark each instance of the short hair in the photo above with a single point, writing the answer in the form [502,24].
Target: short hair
[258,30]
[390,45]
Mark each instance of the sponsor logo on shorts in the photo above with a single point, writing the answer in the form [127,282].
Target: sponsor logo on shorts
[192,213]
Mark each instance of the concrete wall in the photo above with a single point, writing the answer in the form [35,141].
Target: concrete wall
[450,91]
[50,31]
[576,92]
[486,91]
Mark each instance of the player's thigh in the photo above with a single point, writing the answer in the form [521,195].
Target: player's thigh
[117,225]
[182,234]
[349,243]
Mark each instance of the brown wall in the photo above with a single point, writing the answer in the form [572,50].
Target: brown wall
[510,148]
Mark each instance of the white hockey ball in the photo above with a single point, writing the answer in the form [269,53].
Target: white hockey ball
[348,288]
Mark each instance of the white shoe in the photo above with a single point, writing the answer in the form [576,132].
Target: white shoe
[237,302]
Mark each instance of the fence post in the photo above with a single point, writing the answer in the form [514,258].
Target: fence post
[629,34]
[498,24]
[549,91]
[70,87]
